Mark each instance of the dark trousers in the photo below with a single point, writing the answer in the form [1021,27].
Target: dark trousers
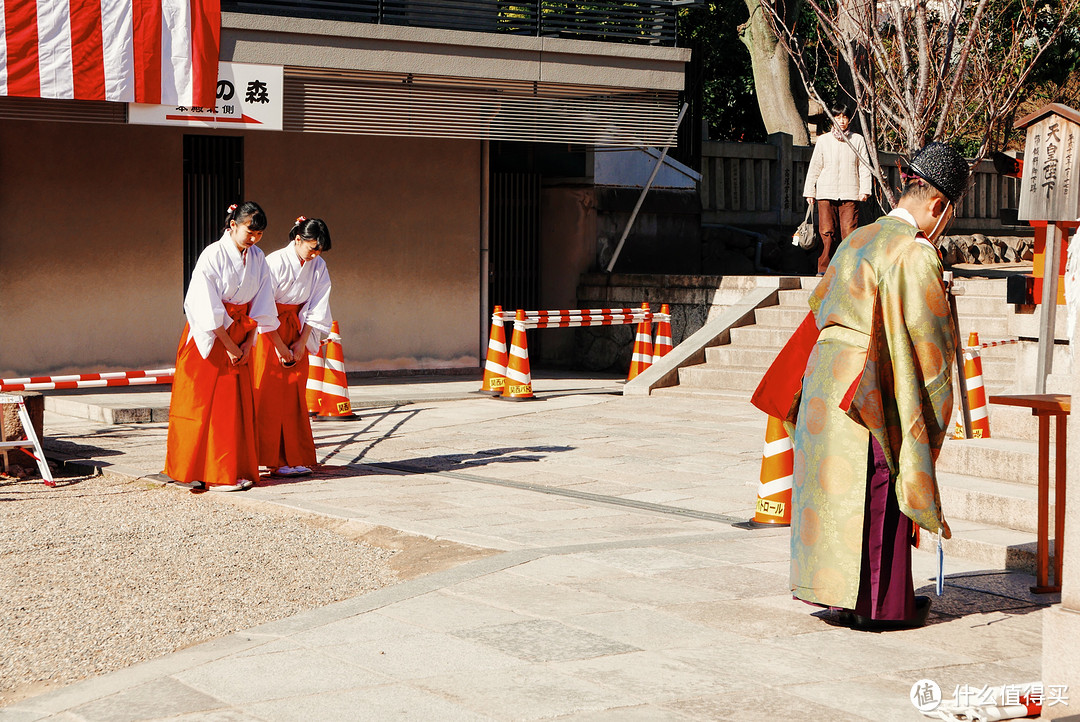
[836,221]
[886,590]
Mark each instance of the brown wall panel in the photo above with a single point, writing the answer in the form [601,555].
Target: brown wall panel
[91,257]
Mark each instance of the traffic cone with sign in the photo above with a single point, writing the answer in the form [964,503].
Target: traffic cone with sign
[518,386]
[316,372]
[777,463]
[663,333]
[495,365]
[641,357]
[335,389]
[976,393]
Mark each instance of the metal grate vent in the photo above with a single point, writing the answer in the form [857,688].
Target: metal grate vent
[401,104]
[65,111]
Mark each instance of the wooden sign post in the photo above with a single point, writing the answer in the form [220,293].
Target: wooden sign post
[1050,191]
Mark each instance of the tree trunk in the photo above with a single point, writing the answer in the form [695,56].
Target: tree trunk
[779,95]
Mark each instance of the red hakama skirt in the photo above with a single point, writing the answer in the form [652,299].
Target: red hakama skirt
[284,430]
[212,411]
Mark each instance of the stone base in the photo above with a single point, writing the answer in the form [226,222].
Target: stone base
[1061,661]
[12,428]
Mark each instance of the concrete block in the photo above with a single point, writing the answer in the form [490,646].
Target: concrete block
[13,428]
[1060,661]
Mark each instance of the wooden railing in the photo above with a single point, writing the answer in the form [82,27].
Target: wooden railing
[761,184]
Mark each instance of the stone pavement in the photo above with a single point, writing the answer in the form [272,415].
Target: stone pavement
[620,589]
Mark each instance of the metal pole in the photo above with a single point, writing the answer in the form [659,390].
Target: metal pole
[645,190]
[485,245]
[1047,325]
[961,379]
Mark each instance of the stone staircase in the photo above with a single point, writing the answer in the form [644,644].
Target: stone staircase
[988,486]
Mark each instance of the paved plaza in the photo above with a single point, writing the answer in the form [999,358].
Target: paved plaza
[619,586]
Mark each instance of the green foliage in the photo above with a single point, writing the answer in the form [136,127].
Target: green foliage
[729,104]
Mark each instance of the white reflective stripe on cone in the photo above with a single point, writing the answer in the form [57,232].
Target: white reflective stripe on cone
[772,448]
[519,352]
[335,365]
[769,488]
[515,375]
[335,390]
[974,382]
[978,413]
[495,368]
[499,346]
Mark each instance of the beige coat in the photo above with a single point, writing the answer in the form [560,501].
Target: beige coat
[835,173]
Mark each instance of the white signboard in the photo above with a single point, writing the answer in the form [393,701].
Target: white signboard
[248,97]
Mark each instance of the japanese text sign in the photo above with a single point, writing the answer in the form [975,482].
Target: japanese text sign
[248,96]
[1050,186]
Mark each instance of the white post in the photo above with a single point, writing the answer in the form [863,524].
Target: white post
[1047,319]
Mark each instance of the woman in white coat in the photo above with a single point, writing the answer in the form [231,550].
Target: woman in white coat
[838,179]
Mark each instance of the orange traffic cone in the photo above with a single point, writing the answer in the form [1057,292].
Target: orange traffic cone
[518,386]
[777,461]
[976,393]
[663,334]
[315,374]
[642,353]
[495,366]
[335,389]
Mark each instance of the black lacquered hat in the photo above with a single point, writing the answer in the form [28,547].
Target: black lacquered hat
[942,167]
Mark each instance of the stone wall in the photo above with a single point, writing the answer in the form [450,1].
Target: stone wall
[693,300]
[983,250]
[729,250]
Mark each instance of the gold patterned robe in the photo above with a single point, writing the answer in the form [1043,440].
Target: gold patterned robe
[881,365]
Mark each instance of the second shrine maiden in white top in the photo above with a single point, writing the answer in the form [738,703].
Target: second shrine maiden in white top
[301,285]
[307,284]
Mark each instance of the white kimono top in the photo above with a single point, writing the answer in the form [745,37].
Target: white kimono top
[308,285]
[223,276]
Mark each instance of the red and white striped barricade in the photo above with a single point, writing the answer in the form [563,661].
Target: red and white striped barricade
[88,381]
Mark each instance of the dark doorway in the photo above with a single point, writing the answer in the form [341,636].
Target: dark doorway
[514,235]
[213,180]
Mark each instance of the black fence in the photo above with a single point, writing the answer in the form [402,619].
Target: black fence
[645,21]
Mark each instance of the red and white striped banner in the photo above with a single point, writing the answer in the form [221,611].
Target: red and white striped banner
[83,381]
[162,52]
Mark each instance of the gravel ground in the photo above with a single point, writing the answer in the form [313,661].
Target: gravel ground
[101,573]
